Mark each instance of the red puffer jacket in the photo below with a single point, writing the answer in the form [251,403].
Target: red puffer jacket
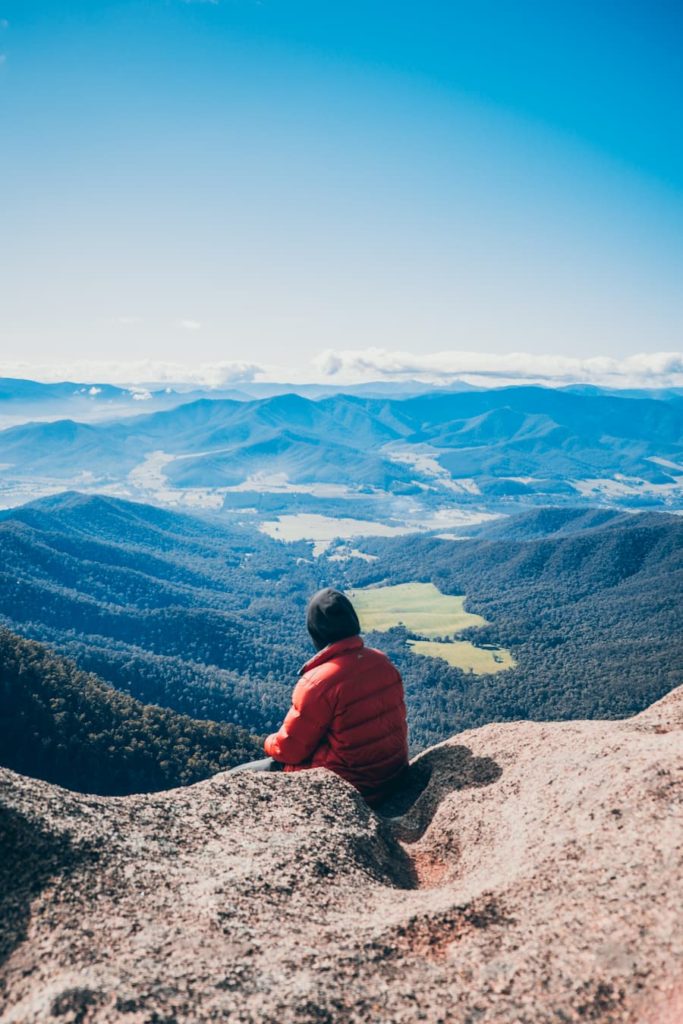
[348,714]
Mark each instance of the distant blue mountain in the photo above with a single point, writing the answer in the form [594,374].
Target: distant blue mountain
[19,390]
[25,400]
[511,441]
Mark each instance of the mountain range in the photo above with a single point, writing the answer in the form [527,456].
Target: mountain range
[476,448]
[22,400]
[208,620]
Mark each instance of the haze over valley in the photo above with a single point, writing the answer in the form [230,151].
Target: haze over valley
[331,468]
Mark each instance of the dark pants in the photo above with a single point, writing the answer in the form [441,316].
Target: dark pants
[266,764]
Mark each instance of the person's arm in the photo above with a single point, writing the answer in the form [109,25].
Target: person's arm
[305,724]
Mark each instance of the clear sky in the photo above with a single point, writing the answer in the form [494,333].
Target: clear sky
[268,181]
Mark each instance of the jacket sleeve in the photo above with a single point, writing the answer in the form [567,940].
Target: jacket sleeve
[305,724]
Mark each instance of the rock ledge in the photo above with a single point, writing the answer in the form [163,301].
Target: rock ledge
[534,874]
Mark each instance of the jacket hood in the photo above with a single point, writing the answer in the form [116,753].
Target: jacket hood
[331,617]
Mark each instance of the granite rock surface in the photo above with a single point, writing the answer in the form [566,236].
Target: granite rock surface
[530,873]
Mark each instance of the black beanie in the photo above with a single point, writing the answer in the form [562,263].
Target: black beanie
[330,617]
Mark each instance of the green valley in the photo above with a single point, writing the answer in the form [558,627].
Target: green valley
[423,610]
[208,620]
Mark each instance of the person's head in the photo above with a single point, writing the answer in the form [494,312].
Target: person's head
[330,617]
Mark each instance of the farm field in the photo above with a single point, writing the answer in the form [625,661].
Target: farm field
[323,530]
[464,655]
[420,607]
[423,610]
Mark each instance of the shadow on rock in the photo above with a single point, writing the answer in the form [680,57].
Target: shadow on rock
[429,779]
[29,858]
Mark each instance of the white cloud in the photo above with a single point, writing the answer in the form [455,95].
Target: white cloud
[190,325]
[647,369]
[128,321]
[139,375]
[94,391]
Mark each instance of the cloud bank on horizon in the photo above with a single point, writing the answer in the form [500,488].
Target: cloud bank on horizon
[353,366]
[645,369]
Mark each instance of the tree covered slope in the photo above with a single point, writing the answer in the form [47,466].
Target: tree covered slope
[209,621]
[66,726]
[594,619]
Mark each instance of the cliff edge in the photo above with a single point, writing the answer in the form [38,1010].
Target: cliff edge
[533,872]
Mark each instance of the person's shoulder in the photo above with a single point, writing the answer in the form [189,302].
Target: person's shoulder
[375,652]
[317,676]
[380,658]
[335,669]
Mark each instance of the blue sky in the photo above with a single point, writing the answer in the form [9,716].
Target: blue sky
[255,185]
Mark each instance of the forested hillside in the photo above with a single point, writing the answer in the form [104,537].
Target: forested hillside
[175,610]
[209,621]
[594,619]
[65,726]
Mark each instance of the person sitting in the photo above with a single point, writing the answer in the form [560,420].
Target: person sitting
[348,709]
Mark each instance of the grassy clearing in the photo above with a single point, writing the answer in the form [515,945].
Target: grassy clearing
[465,656]
[425,611]
[420,607]
[323,530]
